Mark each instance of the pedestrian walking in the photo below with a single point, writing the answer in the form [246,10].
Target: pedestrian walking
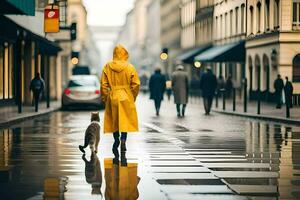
[229,86]
[144,83]
[288,90]
[208,84]
[37,86]
[278,86]
[180,87]
[169,89]
[120,86]
[220,85]
[157,87]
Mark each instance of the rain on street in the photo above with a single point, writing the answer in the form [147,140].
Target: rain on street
[196,157]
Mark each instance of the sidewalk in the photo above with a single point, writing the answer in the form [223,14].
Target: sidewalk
[9,114]
[268,111]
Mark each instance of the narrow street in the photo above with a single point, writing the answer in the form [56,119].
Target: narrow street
[196,157]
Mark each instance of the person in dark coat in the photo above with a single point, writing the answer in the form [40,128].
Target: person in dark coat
[278,85]
[288,91]
[157,87]
[37,86]
[180,87]
[229,86]
[208,84]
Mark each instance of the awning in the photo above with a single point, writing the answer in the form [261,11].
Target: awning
[233,52]
[24,7]
[188,56]
[12,30]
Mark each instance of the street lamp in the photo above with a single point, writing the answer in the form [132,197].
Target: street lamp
[197,64]
[74,61]
[75,57]
[164,56]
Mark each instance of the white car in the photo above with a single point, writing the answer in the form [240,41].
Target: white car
[82,90]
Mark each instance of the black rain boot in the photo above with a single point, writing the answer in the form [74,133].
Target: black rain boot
[123,159]
[123,146]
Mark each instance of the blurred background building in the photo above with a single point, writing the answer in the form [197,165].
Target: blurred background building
[170,37]
[25,49]
[104,38]
[253,40]
[272,44]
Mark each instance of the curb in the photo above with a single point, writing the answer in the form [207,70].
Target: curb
[14,121]
[262,117]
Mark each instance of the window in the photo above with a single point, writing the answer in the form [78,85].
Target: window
[251,20]
[258,21]
[6,71]
[231,23]
[62,12]
[243,18]
[226,24]
[296,68]
[1,71]
[217,26]
[276,14]
[296,14]
[11,72]
[267,15]
[237,20]
[221,27]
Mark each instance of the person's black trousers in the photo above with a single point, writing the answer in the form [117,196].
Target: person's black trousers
[36,95]
[278,95]
[207,101]
[289,100]
[182,113]
[157,103]
[117,136]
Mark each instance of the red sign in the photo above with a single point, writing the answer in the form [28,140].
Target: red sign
[51,14]
[51,19]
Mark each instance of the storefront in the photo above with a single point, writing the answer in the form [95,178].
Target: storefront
[22,55]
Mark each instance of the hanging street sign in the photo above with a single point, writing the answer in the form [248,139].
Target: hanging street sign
[51,19]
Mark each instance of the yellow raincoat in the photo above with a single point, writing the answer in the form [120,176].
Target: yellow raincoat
[120,86]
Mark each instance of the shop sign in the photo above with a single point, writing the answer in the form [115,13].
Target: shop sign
[51,19]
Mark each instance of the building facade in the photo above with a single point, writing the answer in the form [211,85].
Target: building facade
[196,35]
[170,34]
[105,37]
[141,35]
[230,29]
[273,45]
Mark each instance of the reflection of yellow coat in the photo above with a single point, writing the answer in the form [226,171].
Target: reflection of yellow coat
[119,88]
[121,181]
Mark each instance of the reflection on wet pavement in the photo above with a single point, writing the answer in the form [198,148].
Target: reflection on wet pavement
[168,159]
[121,180]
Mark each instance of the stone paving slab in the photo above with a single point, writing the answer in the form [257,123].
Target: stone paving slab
[254,189]
[246,174]
[195,189]
[206,197]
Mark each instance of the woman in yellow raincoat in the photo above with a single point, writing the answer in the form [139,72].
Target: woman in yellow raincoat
[120,86]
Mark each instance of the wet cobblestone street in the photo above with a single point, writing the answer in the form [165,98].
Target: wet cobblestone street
[196,157]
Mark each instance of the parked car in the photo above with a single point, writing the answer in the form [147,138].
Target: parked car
[82,90]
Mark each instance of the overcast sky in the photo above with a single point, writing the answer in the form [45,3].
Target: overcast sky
[107,12]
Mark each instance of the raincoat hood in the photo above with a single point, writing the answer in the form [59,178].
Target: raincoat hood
[120,58]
